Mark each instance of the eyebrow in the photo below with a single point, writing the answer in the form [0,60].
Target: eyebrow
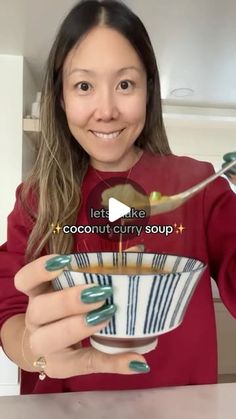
[118,72]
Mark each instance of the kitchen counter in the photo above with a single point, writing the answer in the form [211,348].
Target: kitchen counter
[196,402]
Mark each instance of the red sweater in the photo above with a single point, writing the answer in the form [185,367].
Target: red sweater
[187,355]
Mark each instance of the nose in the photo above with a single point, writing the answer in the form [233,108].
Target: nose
[106,106]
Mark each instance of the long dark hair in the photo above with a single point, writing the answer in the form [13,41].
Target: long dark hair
[58,180]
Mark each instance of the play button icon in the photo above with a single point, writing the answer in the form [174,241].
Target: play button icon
[117,209]
[113,220]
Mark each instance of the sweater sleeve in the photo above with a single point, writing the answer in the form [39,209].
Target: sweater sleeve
[12,258]
[220,227]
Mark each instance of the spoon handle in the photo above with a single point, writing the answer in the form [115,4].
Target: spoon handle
[205,182]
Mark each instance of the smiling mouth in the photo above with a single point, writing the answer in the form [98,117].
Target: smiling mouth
[107,136]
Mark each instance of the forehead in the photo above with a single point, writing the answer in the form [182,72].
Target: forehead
[103,48]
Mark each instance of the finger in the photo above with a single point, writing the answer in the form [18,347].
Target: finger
[89,360]
[33,277]
[137,248]
[57,336]
[50,307]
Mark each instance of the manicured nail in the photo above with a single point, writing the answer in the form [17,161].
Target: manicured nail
[228,157]
[139,366]
[100,315]
[57,262]
[95,294]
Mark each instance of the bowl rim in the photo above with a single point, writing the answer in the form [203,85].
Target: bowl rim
[203,267]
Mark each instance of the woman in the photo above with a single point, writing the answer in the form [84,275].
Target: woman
[101,117]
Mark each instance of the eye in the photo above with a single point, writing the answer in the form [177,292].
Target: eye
[126,84]
[83,86]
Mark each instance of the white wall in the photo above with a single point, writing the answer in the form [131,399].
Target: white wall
[18,90]
[11,99]
[11,71]
[16,158]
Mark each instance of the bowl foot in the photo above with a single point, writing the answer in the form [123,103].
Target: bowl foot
[117,346]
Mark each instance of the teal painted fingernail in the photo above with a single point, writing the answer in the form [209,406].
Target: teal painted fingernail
[57,262]
[139,366]
[95,294]
[100,315]
[229,156]
[232,170]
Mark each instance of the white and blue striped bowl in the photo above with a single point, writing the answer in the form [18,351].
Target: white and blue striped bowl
[148,305]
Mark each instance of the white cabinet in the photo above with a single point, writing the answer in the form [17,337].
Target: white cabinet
[9,376]
[11,98]
[16,84]
[226,336]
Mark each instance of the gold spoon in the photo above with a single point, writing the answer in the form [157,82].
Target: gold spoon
[156,203]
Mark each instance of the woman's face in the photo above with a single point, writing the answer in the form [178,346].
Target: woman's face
[104,97]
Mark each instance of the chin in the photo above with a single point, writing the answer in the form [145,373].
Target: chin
[109,158]
[109,163]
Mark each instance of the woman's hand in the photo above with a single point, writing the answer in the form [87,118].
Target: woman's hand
[57,321]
